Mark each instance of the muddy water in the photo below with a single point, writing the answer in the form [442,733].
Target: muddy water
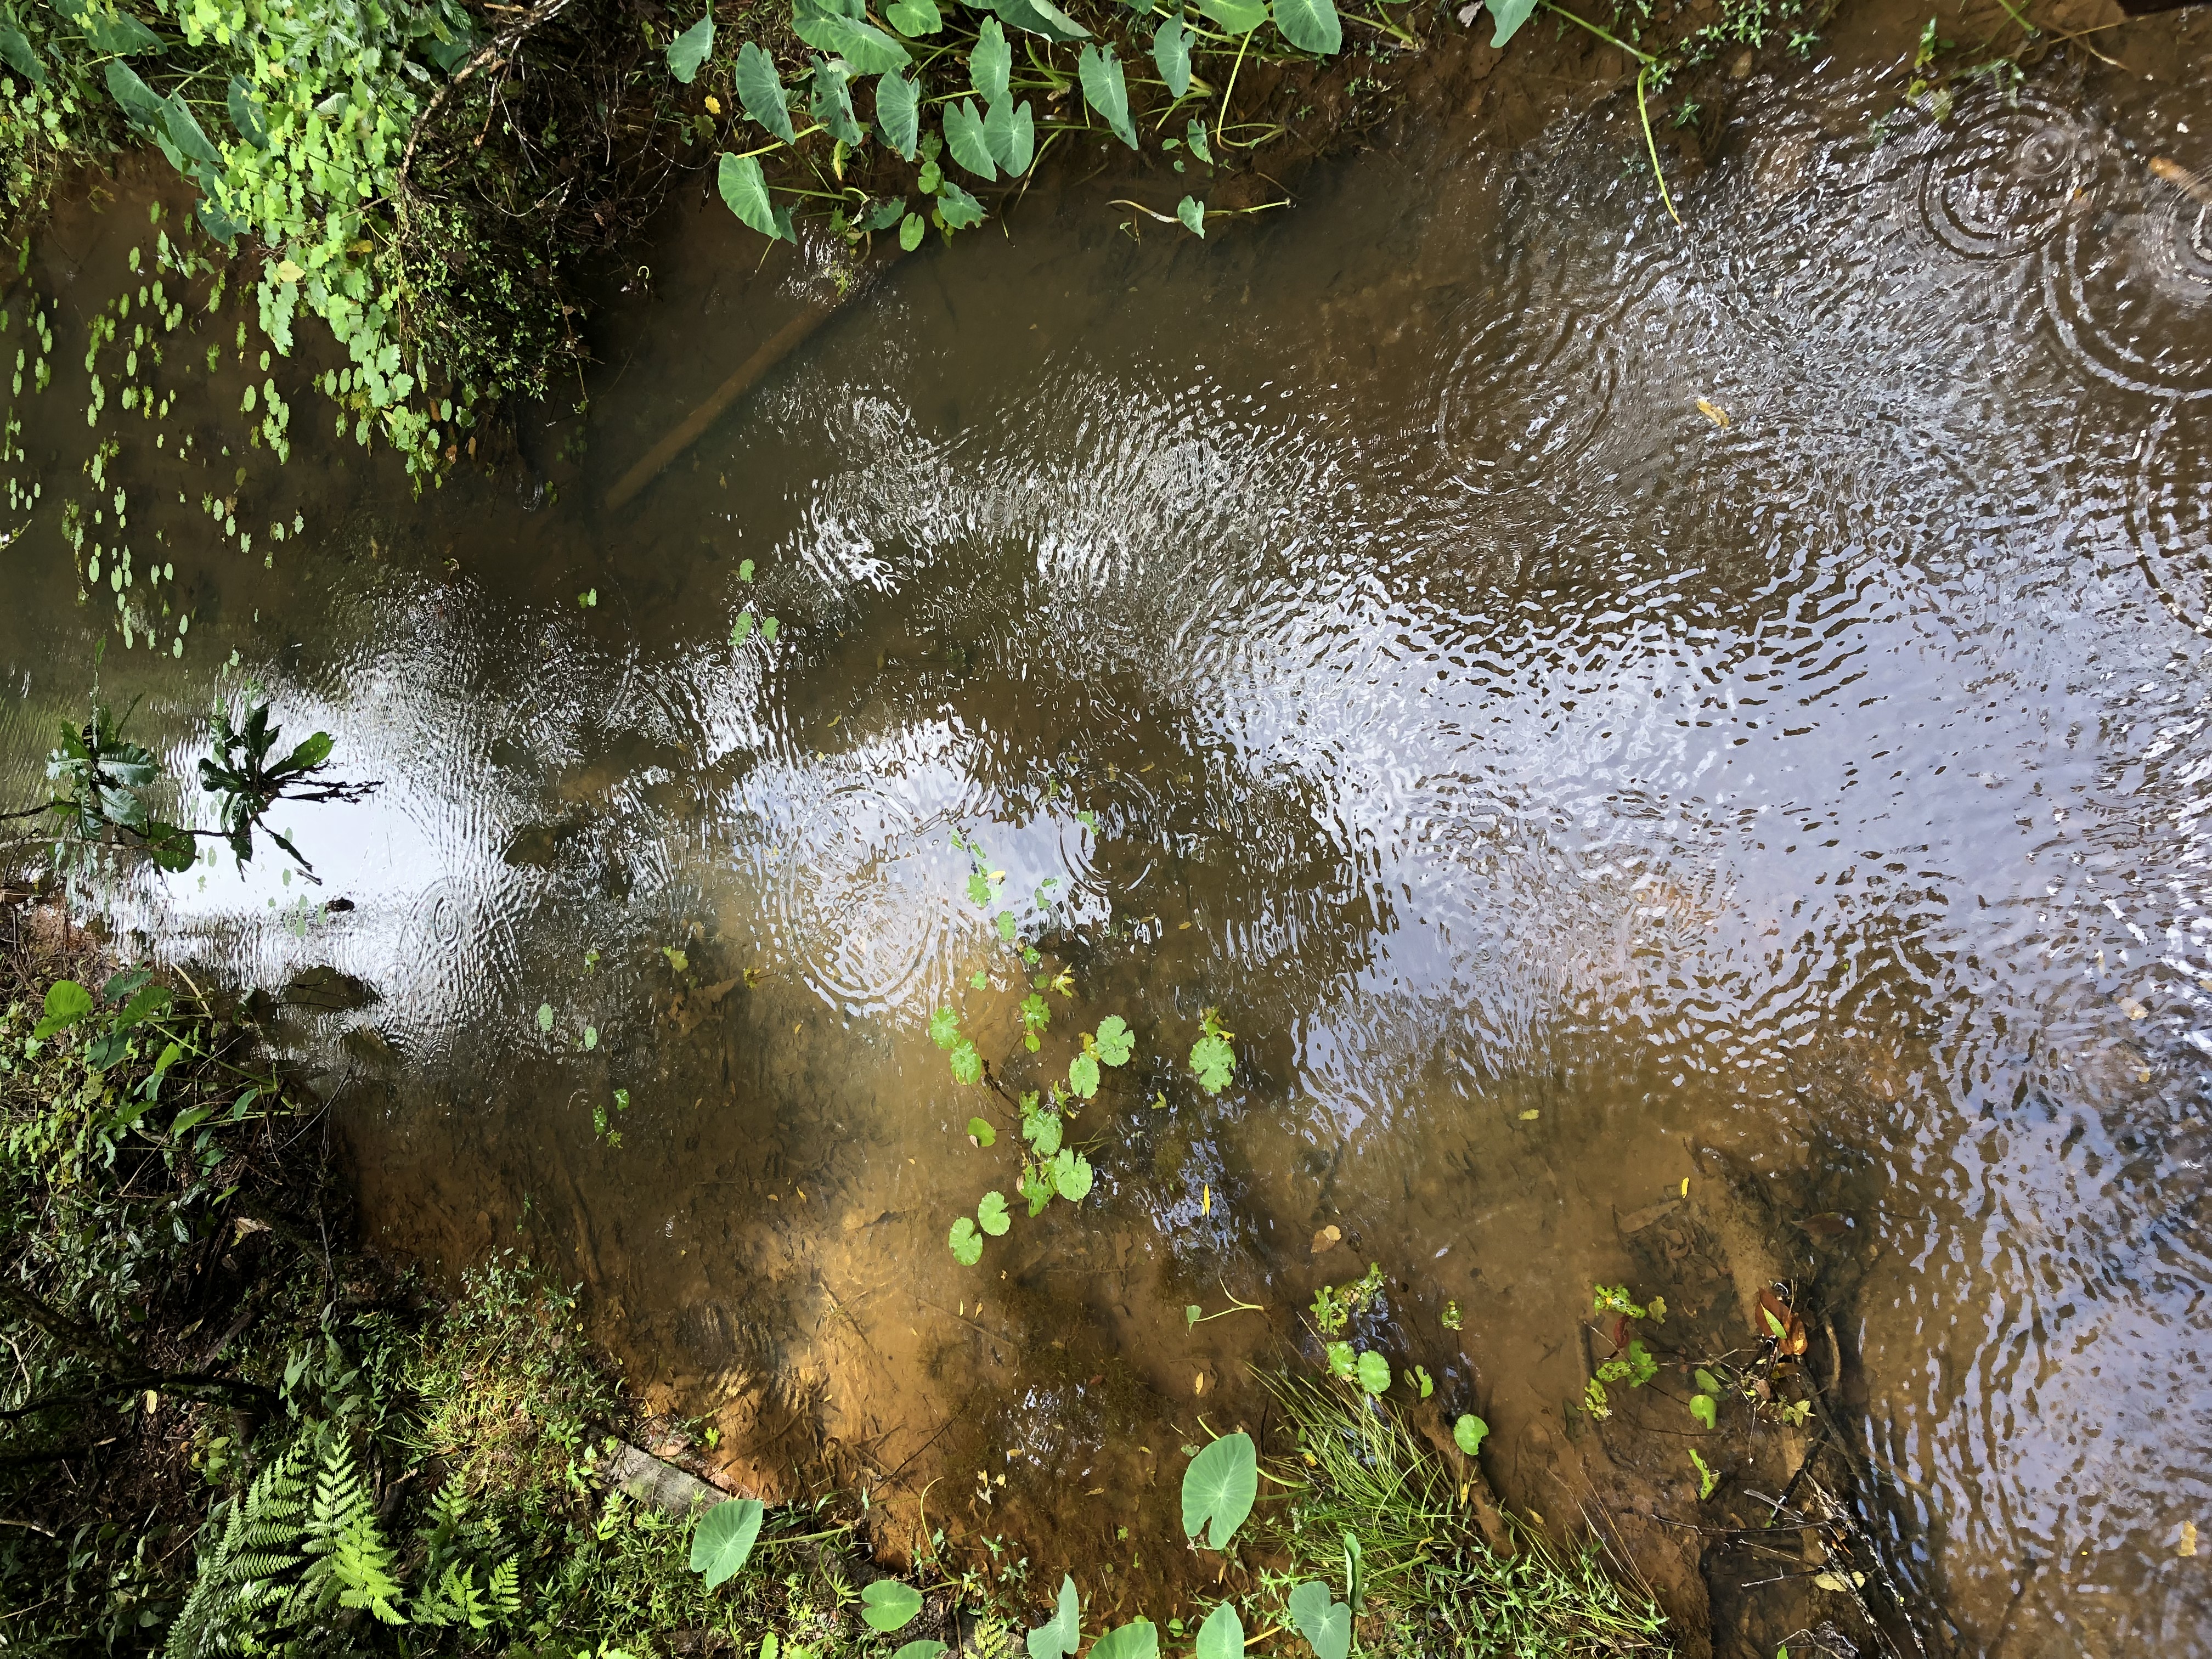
[1563,786]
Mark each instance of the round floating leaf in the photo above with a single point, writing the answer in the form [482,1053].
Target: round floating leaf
[1140,1640]
[945,1028]
[912,231]
[1219,1489]
[692,48]
[1192,212]
[984,1133]
[1082,1075]
[1325,1623]
[1343,1360]
[888,1605]
[760,89]
[991,1214]
[1114,1043]
[1071,1173]
[1310,26]
[723,1538]
[1214,1061]
[965,1243]
[1222,1635]
[1468,1434]
[1374,1373]
[1062,1633]
[966,1063]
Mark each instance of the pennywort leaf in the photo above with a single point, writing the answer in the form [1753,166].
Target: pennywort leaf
[1468,1433]
[991,1214]
[1114,1042]
[1374,1373]
[966,1063]
[1083,1076]
[965,1243]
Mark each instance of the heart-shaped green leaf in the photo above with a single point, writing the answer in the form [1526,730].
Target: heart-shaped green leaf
[865,48]
[911,231]
[898,113]
[1010,131]
[1082,1075]
[15,50]
[1509,16]
[1062,1633]
[924,1648]
[981,1130]
[692,48]
[1468,1434]
[760,89]
[1219,1487]
[1324,1622]
[966,142]
[67,1002]
[1310,26]
[1140,1640]
[238,101]
[1171,52]
[744,191]
[915,18]
[1106,90]
[991,63]
[1040,17]
[1705,1408]
[1222,1635]
[724,1537]
[1192,212]
[889,1605]
[1237,16]
[965,1243]
[991,1214]
[957,207]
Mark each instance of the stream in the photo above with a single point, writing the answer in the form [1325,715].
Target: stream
[1593,705]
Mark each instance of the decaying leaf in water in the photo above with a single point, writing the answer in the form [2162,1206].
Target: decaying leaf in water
[1327,1238]
[1777,1320]
[2188,1544]
[1829,1223]
[1713,412]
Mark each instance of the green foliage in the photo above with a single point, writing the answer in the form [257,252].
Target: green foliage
[1220,1488]
[1507,17]
[1059,1637]
[1138,1640]
[1334,1305]
[1212,1058]
[1222,1635]
[1114,1044]
[1469,1432]
[991,1214]
[1325,1622]
[1374,1373]
[889,1605]
[1707,1477]
[965,1243]
[691,48]
[1706,1409]
[723,1538]
[1636,1367]
[1613,1299]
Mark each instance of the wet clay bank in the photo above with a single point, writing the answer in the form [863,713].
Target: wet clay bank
[1561,789]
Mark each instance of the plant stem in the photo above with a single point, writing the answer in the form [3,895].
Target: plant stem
[1643,57]
[1652,144]
[1233,72]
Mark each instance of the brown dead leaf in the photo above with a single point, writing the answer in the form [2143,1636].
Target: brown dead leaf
[1327,1238]
[1777,1320]
[1829,1223]
[1636,1220]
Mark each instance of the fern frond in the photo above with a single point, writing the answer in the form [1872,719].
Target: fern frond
[505,1592]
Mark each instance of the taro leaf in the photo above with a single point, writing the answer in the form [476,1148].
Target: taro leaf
[991,1214]
[137,98]
[1374,1373]
[1237,16]
[914,17]
[965,1243]
[1222,1635]
[723,1538]
[1509,16]
[1192,212]
[1705,1408]
[1040,17]
[1310,26]
[121,988]
[910,234]
[243,116]
[958,209]
[864,46]
[1082,1075]
[1062,1633]
[1106,90]
[1326,1624]
[67,1002]
[744,191]
[945,1028]
[187,134]
[149,1002]
[1071,1173]
[16,50]
[966,1063]
[1194,136]
[883,216]
[1219,1489]
[120,33]
[1011,131]
[898,113]
[760,89]
[1114,1040]
[924,1648]
[1140,1640]
[1171,51]
[887,1605]
[991,63]
[692,48]
[831,101]
[1214,1061]
[105,1050]
[984,1133]
[1468,1434]
[964,138]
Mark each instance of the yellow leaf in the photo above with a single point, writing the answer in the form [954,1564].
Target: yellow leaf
[2188,1544]
[1686,1185]
[1205,1201]
[1713,412]
[713,105]
[1530,1116]
[289,272]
